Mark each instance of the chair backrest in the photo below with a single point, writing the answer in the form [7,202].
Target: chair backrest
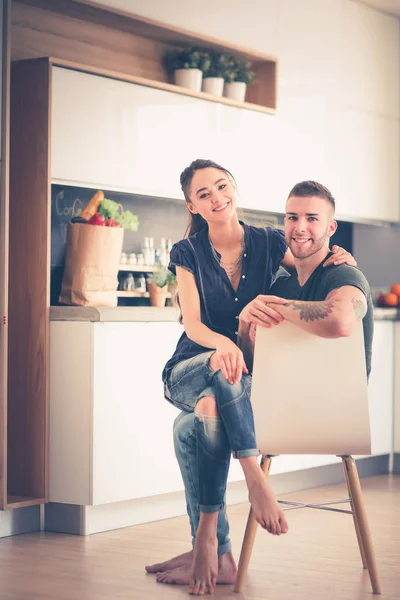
[309,394]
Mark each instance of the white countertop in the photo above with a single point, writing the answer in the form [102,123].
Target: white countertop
[152,314]
[113,314]
[382,314]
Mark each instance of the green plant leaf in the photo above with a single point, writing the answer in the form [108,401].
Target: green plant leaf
[159,277]
[109,209]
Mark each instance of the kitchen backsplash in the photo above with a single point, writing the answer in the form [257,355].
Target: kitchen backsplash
[376,249]
[158,217]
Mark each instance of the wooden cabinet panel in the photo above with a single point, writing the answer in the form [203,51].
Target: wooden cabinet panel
[29,290]
[4,237]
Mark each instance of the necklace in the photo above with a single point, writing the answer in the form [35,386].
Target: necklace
[230,268]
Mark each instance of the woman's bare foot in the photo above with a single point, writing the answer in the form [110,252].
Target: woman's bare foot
[181,575]
[182,560]
[203,576]
[266,509]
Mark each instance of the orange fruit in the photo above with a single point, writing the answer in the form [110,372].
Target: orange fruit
[391,299]
[395,289]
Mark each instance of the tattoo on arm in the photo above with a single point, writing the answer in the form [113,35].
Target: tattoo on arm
[359,308]
[312,311]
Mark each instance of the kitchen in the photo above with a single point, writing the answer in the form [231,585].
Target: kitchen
[303,139]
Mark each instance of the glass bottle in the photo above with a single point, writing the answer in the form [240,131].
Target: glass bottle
[163,253]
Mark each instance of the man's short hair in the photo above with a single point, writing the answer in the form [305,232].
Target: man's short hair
[312,188]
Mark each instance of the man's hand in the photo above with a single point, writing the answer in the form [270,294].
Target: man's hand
[259,311]
[340,256]
[230,360]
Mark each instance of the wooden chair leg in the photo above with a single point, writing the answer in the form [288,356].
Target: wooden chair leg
[249,537]
[362,521]
[356,525]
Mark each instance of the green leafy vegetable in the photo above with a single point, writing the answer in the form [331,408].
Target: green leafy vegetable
[129,221]
[109,209]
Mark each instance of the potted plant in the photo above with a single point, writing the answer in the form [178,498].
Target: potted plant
[237,76]
[172,286]
[187,65]
[213,76]
[157,284]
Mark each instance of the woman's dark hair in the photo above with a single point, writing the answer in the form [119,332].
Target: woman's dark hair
[196,222]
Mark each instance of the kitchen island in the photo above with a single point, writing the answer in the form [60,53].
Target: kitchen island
[111,456]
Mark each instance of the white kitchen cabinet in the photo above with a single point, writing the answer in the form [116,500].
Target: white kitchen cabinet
[381,388]
[396,388]
[362,157]
[110,426]
[370,60]
[126,137]
[120,136]
[304,27]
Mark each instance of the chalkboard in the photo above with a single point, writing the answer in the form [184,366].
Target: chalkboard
[66,203]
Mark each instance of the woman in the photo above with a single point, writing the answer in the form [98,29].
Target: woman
[220,266]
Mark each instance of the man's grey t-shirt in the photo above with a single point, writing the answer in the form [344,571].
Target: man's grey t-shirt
[321,282]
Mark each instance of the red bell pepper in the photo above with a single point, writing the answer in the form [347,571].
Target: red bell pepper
[97,219]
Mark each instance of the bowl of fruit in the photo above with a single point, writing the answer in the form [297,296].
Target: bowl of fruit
[390,299]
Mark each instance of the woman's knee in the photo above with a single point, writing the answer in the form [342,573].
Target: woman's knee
[207,406]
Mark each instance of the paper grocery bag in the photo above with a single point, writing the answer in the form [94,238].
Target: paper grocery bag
[92,261]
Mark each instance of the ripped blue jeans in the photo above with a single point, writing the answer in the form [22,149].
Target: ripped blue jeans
[216,437]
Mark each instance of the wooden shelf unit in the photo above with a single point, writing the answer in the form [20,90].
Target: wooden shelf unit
[138,268]
[125,294]
[109,37]
[5,21]
[29,287]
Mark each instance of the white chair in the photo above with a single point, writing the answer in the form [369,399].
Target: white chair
[309,396]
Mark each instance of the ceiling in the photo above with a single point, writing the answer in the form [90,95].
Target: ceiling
[388,6]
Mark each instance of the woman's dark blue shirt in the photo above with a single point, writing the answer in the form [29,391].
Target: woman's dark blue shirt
[220,304]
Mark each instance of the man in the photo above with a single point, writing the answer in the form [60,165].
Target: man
[324,301]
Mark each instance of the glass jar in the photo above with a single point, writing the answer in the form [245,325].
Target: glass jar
[140,283]
[132,259]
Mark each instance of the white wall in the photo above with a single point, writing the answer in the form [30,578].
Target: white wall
[339,73]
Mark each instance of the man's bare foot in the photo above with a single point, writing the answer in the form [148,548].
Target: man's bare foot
[181,575]
[181,560]
[203,576]
[266,509]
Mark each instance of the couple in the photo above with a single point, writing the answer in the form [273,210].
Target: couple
[224,269]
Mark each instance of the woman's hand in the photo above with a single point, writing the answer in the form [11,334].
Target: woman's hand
[230,360]
[339,257]
[259,311]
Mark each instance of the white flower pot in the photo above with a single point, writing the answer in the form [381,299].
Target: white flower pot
[235,90]
[189,78]
[213,85]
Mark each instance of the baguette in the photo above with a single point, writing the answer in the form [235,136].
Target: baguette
[92,206]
